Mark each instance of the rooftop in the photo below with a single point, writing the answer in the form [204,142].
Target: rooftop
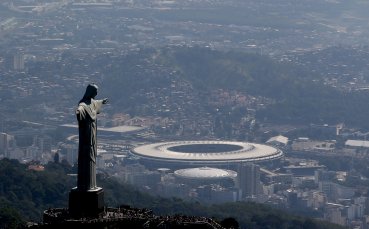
[208,151]
[205,173]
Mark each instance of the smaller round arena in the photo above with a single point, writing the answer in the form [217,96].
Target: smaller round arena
[204,175]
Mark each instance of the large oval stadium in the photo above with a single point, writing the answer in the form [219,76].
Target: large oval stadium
[205,153]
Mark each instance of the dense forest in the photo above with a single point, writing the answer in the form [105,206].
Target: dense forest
[26,193]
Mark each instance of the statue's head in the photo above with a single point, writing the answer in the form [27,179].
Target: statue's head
[91,91]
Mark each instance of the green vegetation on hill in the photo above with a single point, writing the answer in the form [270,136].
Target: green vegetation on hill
[25,194]
[10,218]
[29,191]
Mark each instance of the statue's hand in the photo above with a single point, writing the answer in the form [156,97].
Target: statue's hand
[105,101]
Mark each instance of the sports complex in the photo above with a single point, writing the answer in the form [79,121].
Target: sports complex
[205,153]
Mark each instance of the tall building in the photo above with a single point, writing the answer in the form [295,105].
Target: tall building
[5,143]
[249,179]
[44,143]
[18,61]
[334,214]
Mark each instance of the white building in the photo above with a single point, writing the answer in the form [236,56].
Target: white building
[357,144]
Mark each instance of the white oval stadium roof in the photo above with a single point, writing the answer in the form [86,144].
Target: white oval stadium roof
[207,151]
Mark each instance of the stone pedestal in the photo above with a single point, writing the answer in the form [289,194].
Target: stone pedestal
[84,203]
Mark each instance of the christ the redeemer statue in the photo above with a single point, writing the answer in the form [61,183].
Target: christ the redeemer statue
[87,110]
[87,200]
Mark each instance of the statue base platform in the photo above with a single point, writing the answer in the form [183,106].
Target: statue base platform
[86,203]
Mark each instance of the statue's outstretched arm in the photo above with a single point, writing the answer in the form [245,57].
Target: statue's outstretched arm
[81,113]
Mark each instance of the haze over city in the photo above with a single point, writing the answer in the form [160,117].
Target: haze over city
[210,102]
